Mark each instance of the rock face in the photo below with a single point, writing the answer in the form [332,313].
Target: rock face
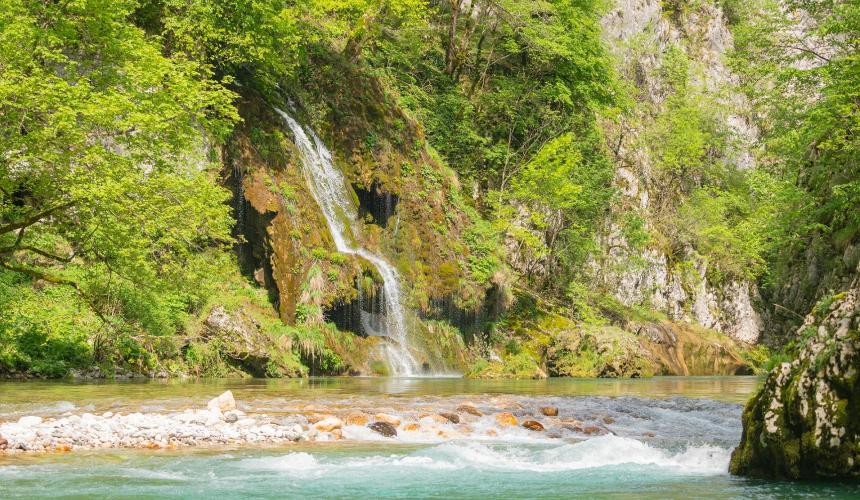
[805,421]
[642,33]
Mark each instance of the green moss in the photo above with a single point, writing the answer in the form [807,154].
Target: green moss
[379,368]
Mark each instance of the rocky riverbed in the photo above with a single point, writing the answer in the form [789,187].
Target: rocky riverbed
[222,423]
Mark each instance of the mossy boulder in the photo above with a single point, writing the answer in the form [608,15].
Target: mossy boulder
[805,421]
[598,351]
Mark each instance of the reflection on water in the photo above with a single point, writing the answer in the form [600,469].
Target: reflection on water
[51,397]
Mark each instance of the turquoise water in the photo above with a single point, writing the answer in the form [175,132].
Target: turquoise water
[670,438]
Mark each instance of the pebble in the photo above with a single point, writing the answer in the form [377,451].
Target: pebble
[143,430]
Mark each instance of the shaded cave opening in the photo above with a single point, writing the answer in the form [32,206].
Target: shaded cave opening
[375,202]
[363,315]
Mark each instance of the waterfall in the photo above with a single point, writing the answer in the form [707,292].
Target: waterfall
[334,197]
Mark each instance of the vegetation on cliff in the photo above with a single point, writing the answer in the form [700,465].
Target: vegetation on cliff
[153,214]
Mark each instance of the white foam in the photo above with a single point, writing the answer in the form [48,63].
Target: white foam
[600,452]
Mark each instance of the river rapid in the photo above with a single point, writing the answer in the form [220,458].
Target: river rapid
[660,437]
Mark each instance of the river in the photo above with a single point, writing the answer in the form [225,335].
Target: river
[659,437]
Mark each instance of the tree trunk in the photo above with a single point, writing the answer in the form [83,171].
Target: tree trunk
[450,55]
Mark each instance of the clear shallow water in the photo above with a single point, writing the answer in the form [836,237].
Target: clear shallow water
[48,397]
[671,437]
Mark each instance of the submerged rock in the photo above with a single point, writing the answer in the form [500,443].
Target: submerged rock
[383,428]
[533,425]
[451,417]
[549,411]
[3,443]
[804,421]
[470,410]
[506,419]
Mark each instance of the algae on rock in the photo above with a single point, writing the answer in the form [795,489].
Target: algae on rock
[805,421]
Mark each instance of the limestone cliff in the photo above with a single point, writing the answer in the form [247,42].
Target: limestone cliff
[675,281]
[805,422]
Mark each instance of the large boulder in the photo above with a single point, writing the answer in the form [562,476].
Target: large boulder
[222,403]
[805,421]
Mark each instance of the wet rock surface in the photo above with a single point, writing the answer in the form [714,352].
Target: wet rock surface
[383,428]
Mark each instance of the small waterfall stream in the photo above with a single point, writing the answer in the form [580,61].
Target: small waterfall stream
[335,199]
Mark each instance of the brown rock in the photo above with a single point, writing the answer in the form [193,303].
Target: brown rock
[470,410]
[3,443]
[491,432]
[608,420]
[549,411]
[533,425]
[573,427]
[356,419]
[329,424]
[451,417]
[337,434]
[648,434]
[413,427]
[383,428]
[594,429]
[465,429]
[439,419]
[506,419]
[388,419]
[317,417]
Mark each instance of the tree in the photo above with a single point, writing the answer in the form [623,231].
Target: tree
[105,179]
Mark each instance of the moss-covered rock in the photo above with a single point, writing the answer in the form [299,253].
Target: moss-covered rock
[805,421]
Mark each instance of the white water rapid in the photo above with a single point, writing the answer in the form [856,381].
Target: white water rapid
[335,199]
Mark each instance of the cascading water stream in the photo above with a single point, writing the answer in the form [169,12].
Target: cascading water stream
[330,189]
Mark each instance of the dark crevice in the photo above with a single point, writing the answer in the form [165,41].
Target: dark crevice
[253,248]
[471,322]
[363,315]
[373,201]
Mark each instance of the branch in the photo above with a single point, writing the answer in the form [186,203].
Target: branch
[33,218]
[39,274]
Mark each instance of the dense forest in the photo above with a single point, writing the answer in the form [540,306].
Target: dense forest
[564,191]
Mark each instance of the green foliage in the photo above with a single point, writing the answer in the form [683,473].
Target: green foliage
[803,83]
[255,41]
[106,186]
